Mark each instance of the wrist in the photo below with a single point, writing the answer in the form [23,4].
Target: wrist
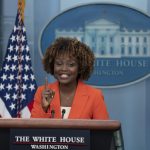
[45,108]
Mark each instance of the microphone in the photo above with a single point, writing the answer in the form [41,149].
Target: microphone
[52,113]
[63,112]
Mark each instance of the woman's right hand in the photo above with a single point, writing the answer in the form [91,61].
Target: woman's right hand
[47,96]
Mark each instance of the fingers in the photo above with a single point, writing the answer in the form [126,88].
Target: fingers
[46,83]
[48,94]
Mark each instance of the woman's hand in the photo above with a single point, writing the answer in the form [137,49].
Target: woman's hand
[47,96]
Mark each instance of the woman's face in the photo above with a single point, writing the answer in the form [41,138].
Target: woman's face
[66,69]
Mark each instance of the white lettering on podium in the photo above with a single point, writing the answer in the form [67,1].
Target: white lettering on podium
[72,139]
[49,147]
[22,138]
[43,139]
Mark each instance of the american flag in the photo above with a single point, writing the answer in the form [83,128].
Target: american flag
[17,81]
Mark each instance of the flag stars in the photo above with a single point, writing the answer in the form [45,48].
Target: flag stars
[12,38]
[12,106]
[32,77]
[25,77]
[23,38]
[6,67]
[14,96]
[27,48]
[24,87]
[11,77]
[24,29]
[23,96]
[9,87]
[4,77]
[18,38]
[32,87]
[26,67]
[15,58]
[10,48]
[17,48]
[16,87]
[27,58]
[15,28]
[7,96]
[13,67]
[8,58]
[1,86]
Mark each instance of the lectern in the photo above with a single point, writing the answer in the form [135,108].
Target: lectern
[74,134]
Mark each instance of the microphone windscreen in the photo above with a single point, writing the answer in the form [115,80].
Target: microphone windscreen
[63,112]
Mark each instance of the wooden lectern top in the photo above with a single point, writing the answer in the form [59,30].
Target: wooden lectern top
[60,123]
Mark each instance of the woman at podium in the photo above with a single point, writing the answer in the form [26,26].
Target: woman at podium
[71,62]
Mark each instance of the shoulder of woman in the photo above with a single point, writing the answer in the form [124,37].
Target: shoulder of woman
[92,89]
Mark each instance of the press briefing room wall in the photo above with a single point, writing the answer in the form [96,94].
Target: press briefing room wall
[129,104]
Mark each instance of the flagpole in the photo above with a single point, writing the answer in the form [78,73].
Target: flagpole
[21,7]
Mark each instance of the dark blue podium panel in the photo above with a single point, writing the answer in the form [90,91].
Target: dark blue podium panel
[70,139]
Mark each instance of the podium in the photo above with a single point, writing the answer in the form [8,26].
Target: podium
[65,133]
